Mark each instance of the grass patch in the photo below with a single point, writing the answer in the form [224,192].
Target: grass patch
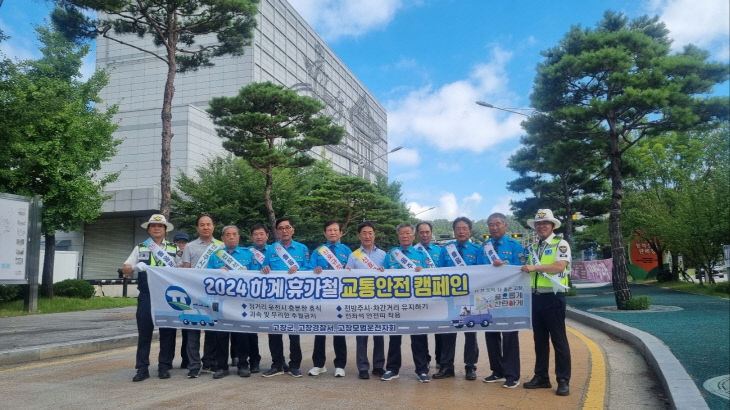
[636,303]
[708,289]
[62,304]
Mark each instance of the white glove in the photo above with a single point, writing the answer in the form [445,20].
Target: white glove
[140,267]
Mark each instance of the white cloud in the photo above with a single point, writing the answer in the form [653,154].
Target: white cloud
[449,207]
[704,23]
[448,117]
[405,157]
[333,19]
[502,205]
[449,166]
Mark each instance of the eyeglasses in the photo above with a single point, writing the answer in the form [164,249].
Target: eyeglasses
[284,228]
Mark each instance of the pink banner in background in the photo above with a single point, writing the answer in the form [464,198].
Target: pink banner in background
[592,271]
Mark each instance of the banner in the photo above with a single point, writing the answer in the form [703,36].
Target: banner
[592,271]
[342,302]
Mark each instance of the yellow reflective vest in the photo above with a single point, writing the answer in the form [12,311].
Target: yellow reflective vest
[538,281]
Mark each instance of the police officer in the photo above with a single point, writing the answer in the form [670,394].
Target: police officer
[244,257]
[549,264]
[503,348]
[460,252]
[320,260]
[141,257]
[406,256]
[291,256]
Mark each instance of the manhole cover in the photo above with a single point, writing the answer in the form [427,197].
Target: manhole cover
[652,309]
[719,386]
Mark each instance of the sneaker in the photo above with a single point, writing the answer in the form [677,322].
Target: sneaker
[221,373]
[255,368]
[378,371]
[538,383]
[339,372]
[193,374]
[494,378]
[389,375]
[316,371]
[244,372]
[423,378]
[295,372]
[363,374]
[141,375]
[163,374]
[274,371]
[511,384]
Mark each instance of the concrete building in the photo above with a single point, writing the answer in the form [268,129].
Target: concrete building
[284,50]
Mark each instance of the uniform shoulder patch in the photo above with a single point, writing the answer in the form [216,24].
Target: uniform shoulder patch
[563,249]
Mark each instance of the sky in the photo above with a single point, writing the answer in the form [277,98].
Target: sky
[428,62]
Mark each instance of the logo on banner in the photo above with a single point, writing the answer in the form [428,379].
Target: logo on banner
[177,298]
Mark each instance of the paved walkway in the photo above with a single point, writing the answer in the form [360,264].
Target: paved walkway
[696,329]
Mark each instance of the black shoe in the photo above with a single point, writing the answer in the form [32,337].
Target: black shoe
[255,368]
[163,374]
[444,373]
[378,371]
[235,361]
[193,374]
[363,374]
[538,383]
[141,375]
[244,372]
[471,374]
[220,373]
[563,389]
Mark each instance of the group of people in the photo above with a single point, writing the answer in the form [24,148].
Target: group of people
[547,261]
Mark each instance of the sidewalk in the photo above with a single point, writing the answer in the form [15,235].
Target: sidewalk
[695,328]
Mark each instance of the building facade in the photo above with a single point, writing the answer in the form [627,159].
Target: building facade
[284,50]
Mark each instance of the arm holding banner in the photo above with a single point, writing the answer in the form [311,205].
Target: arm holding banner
[555,267]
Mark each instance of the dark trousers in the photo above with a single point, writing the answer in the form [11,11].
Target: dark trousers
[503,349]
[184,349]
[319,357]
[209,358]
[246,346]
[419,348]
[362,353]
[144,335]
[193,349]
[448,350]
[276,347]
[439,345]
[548,321]
[221,349]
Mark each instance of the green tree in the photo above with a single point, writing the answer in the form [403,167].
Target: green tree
[54,138]
[271,127]
[174,26]
[622,77]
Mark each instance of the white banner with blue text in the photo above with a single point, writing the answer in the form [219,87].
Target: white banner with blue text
[343,302]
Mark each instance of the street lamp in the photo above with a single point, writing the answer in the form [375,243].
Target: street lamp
[425,210]
[512,110]
[361,163]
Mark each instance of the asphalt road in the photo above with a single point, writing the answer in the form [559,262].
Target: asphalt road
[102,380]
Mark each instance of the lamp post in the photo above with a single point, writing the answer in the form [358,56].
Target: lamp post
[512,110]
[362,162]
[423,211]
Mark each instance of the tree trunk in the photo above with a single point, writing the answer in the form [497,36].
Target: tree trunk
[568,235]
[618,252]
[267,197]
[675,267]
[166,115]
[48,261]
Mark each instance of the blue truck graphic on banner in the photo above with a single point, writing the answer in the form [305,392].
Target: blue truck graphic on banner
[471,315]
[178,299]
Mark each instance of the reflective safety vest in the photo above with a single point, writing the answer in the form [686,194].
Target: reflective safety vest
[538,281]
[145,255]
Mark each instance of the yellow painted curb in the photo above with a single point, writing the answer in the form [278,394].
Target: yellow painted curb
[596,393]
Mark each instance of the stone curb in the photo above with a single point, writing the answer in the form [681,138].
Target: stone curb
[682,391]
[50,351]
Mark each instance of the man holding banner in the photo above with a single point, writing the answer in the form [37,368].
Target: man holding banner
[235,258]
[196,255]
[368,256]
[424,233]
[460,252]
[407,256]
[155,251]
[259,247]
[291,256]
[549,264]
[331,255]
[503,348]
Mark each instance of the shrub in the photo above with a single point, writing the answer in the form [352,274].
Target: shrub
[9,292]
[636,303]
[74,288]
